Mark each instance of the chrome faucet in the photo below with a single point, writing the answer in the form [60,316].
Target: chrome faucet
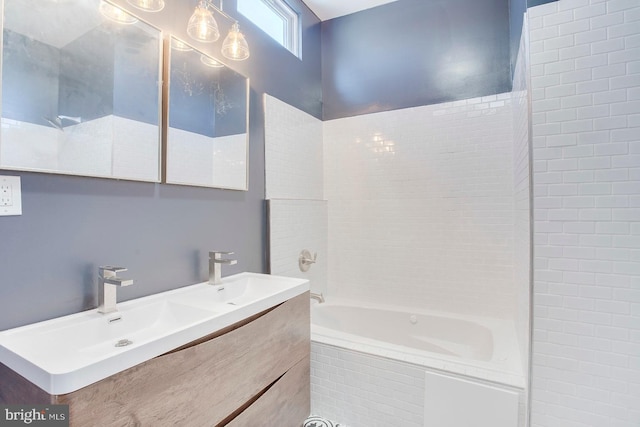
[317,297]
[108,282]
[215,265]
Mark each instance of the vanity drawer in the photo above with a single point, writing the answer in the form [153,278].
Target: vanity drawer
[285,403]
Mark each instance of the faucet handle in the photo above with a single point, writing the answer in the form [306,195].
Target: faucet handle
[112,269]
[305,260]
[214,254]
[119,281]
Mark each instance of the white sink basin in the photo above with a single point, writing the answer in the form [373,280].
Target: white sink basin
[238,291]
[67,353]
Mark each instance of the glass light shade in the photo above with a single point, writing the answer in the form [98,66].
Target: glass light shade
[202,26]
[210,62]
[148,5]
[180,46]
[115,14]
[235,46]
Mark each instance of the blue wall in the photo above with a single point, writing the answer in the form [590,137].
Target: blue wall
[49,256]
[192,104]
[419,52]
[29,96]
[414,52]
[42,81]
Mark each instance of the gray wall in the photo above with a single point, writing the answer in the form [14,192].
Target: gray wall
[193,104]
[448,50]
[42,81]
[414,52]
[70,225]
[38,99]
[87,77]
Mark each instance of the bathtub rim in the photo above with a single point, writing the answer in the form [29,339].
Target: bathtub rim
[506,373]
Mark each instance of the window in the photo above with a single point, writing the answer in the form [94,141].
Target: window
[277,19]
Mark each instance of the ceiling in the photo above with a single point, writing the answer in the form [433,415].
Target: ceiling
[328,9]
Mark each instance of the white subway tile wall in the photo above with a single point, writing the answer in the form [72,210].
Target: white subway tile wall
[120,147]
[135,148]
[421,207]
[357,389]
[293,152]
[294,185]
[295,225]
[198,159]
[585,81]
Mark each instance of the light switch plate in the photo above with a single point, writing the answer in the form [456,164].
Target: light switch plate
[10,196]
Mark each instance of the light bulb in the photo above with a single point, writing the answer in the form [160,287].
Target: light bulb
[202,26]
[235,46]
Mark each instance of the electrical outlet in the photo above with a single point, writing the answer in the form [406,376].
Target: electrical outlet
[10,196]
[6,195]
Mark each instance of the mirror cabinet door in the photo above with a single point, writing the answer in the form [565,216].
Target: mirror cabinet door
[81,91]
[207,120]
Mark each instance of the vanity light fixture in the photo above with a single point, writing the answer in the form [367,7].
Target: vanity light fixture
[235,46]
[147,5]
[203,27]
[115,14]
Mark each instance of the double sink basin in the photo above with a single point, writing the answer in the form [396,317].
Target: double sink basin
[64,354]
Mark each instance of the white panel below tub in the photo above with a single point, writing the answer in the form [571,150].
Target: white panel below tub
[484,405]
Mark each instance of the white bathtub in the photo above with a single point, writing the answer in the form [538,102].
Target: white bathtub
[476,347]
[375,365]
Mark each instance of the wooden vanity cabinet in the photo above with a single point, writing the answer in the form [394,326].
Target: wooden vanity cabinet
[253,373]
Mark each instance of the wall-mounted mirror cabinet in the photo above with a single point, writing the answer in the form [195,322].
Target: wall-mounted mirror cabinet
[207,120]
[81,90]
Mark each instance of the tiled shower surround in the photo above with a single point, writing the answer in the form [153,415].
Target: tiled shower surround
[421,207]
[585,76]
[110,153]
[295,225]
[295,189]
[293,152]
[428,208]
